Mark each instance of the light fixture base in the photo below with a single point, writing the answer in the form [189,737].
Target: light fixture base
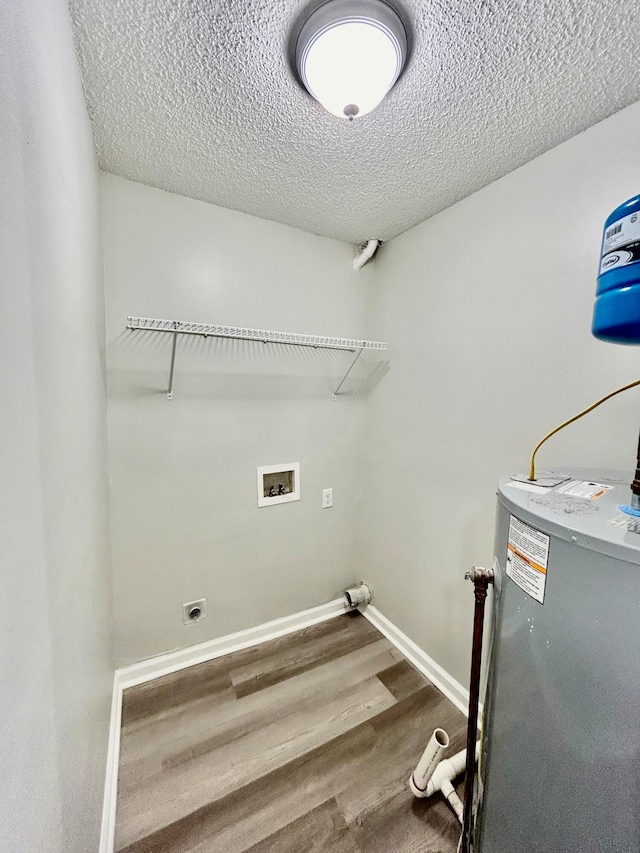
[350,53]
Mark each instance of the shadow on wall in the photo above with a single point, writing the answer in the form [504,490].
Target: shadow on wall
[139,363]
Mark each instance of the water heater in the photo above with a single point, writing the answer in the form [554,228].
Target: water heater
[560,768]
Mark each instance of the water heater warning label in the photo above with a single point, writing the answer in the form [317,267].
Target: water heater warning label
[527,557]
[583,489]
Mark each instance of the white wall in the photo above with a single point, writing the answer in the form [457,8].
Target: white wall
[55,626]
[487,309]
[186,524]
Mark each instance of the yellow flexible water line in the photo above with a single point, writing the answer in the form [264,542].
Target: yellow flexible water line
[532,470]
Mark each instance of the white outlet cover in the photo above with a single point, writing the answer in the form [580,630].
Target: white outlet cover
[327,498]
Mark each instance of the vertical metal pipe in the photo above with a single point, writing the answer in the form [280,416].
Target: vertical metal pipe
[173,361]
[635,485]
[481,579]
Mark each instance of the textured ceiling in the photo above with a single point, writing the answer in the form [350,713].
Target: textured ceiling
[197,97]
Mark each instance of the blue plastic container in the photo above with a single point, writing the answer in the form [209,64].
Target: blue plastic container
[616,313]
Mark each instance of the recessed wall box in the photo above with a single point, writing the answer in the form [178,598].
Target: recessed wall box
[278,484]
[194,611]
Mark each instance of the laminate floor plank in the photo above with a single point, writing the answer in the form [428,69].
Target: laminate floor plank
[402,732]
[183,789]
[402,679]
[356,758]
[207,730]
[163,695]
[276,667]
[321,830]
[173,693]
[252,813]
[403,824]
[320,756]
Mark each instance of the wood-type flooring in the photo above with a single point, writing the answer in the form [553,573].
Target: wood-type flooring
[303,744]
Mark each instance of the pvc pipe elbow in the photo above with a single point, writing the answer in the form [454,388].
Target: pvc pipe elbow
[448,769]
[366,254]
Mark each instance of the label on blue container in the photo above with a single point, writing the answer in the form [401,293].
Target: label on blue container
[621,244]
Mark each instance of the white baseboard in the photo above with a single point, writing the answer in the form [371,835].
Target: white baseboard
[414,654]
[156,667]
[108,828]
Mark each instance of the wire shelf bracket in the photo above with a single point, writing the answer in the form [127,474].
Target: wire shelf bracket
[178,327]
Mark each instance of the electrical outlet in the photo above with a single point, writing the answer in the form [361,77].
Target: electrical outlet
[194,611]
[327,498]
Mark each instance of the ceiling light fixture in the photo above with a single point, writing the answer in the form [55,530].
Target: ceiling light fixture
[349,53]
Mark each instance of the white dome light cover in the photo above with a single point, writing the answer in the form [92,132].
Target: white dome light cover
[349,53]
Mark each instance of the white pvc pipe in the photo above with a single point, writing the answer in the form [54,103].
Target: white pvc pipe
[428,763]
[358,595]
[442,771]
[449,793]
[366,254]
[448,770]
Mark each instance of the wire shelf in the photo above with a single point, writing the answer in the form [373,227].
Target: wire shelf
[264,335]
[179,327]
